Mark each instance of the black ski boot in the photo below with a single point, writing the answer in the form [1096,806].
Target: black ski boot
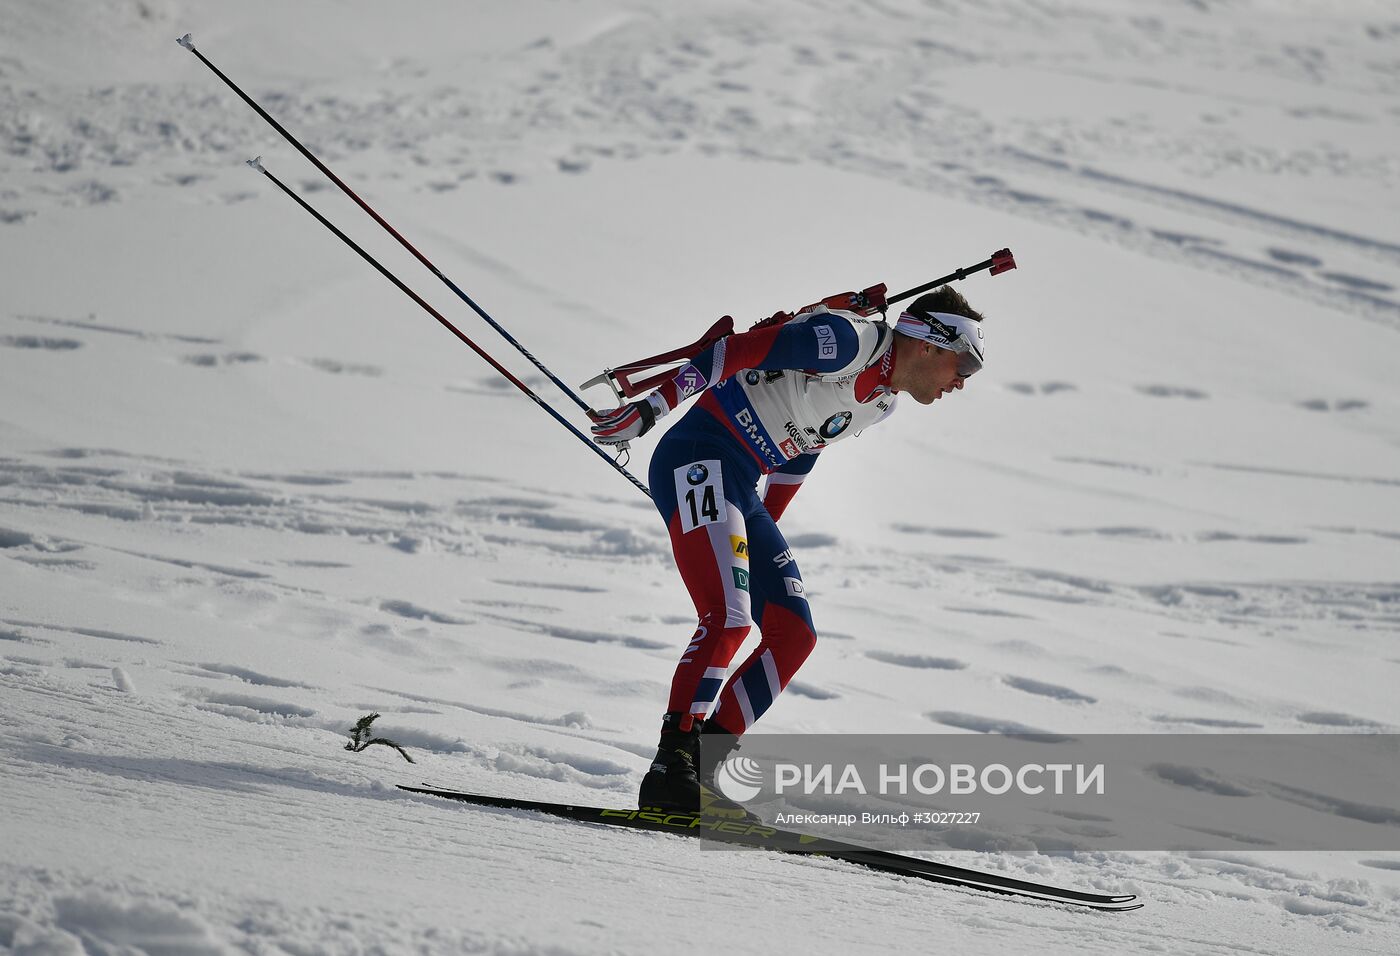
[671,783]
[717,744]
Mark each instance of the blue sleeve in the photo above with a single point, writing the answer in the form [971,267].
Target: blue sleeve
[823,343]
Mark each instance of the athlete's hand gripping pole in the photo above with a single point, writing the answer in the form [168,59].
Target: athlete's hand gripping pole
[618,426]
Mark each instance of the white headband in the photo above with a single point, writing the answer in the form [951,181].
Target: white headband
[947,330]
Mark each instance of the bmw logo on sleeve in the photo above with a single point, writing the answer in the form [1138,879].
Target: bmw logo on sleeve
[835,425]
[697,474]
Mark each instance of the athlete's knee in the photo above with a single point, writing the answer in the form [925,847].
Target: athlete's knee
[790,632]
[798,645]
[714,637]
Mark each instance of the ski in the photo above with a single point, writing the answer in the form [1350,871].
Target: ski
[761,836]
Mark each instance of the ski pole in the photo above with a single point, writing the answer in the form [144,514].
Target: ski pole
[256,164]
[187,41]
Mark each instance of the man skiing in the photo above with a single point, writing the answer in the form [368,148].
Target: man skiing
[771,400]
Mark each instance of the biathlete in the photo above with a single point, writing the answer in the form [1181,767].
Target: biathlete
[771,400]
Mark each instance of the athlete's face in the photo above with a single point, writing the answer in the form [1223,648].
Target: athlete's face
[932,372]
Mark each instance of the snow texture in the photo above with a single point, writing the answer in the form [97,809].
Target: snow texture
[249,492]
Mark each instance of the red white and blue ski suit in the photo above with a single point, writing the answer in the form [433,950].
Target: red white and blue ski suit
[772,399]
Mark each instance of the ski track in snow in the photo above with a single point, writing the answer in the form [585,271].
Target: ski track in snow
[184,643]
[645,88]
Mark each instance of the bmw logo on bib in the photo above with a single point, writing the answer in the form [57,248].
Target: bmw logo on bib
[835,425]
[697,474]
[752,376]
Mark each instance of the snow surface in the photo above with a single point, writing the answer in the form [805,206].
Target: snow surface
[248,492]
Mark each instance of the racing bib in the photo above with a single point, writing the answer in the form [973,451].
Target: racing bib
[700,494]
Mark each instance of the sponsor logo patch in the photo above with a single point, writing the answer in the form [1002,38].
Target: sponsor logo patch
[804,443]
[740,546]
[794,588]
[835,425]
[691,380]
[789,448]
[946,331]
[826,341]
[697,473]
[784,558]
[746,421]
[741,578]
[752,376]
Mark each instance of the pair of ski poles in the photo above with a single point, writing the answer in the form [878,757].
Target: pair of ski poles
[997,263]
[187,41]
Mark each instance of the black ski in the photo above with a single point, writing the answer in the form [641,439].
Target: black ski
[761,836]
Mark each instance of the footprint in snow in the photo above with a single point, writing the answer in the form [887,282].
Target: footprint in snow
[1336,405]
[40,342]
[14,539]
[1216,723]
[343,368]
[1044,388]
[1042,689]
[210,360]
[1211,537]
[311,480]
[810,691]
[1109,463]
[249,676]
[1171,391]
[1357,282]
[84,632]
[246,706]
[812,539]
[1112,219]
[181,179]
[916,660]
[413,612]
[994,725]
[1292,258]
[944,532]
[1330,719]
[1120,531]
